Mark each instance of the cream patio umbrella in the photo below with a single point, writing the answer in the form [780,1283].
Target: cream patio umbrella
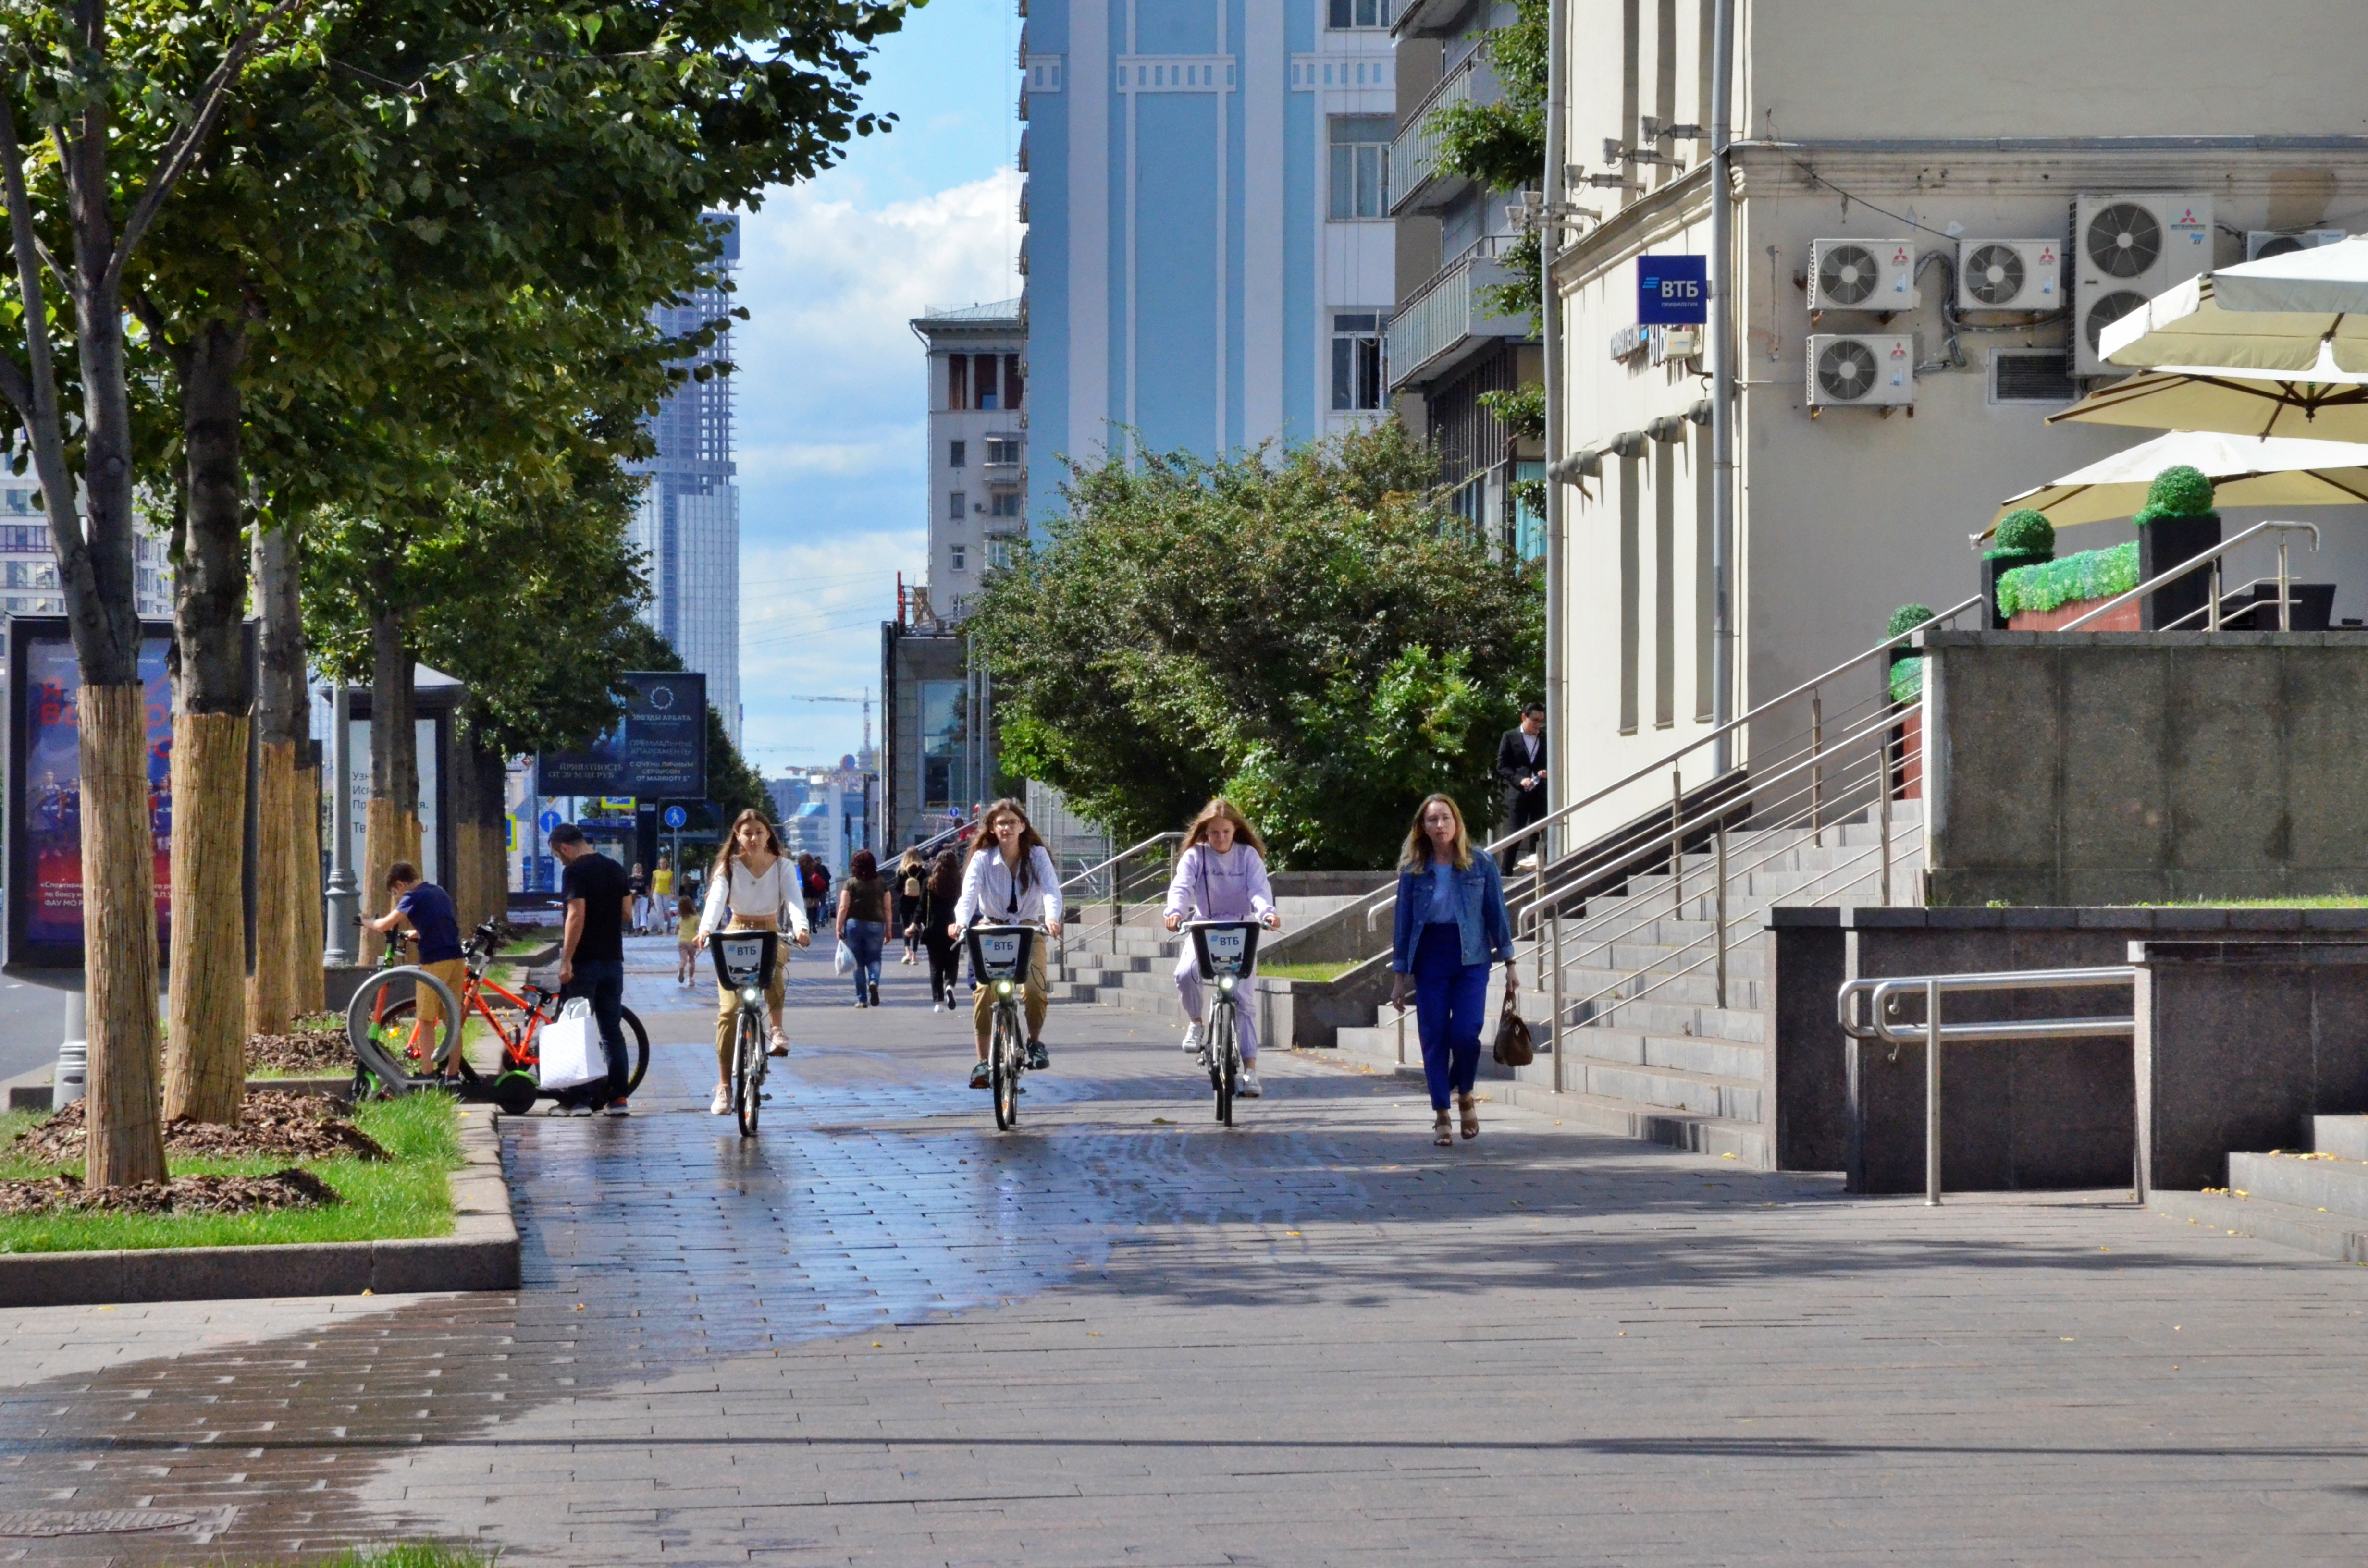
[2196,399]
[2304,313]
[2244,471]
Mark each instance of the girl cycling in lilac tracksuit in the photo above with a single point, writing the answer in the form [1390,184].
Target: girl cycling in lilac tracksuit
[1220,875]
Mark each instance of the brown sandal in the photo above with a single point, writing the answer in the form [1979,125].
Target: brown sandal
[1445,1138]
[1470,1116]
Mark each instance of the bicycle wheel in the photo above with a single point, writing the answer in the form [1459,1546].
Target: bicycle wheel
[378,1046]
[748,1074]
[406,1045]
[637,1049]
[1222,1057]
[1004,1052]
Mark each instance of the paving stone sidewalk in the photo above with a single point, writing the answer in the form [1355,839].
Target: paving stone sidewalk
[883,1333]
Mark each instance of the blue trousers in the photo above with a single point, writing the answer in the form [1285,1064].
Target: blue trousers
[863,939]
[1450,1003]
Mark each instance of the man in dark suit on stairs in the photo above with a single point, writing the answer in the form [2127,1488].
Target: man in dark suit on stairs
[1521,768]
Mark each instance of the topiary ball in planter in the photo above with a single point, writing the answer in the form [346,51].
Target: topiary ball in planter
[2175,525]
[2178,491]
[1906,618]
[2025,533]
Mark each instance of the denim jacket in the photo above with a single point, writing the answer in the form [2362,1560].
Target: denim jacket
[1481,918]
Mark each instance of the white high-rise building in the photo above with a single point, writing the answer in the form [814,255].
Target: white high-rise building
[690,520]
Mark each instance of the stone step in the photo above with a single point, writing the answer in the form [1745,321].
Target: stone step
[1699,987]
[2346,1137]
[1647,1087]
[2312,1182]
[2338,1237]
[1737,1026]
[1733,1059]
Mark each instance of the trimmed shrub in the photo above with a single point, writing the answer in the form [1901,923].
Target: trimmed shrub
[2178,491]
[2026,532]
[1907,679]
[2091,574]
[1906,618]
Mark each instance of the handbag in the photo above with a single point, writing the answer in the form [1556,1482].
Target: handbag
[1513,1048]
[569,1048]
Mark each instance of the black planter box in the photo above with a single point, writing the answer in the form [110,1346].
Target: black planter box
[2163,544]
[1997,567]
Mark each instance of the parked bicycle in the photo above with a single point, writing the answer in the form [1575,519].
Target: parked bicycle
[391,1030]
[1224,950]
[998,958]
[743,965]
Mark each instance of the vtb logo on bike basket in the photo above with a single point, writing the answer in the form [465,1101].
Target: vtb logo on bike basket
[1224,946]
[744,957]
[998,952]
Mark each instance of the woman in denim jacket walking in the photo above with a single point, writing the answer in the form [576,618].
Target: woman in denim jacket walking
[1452,925]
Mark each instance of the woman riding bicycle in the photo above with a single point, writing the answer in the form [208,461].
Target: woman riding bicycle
[1220,875]
[753,887]
[1009,881]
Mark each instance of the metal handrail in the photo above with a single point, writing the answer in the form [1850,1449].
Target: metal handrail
[2214,553]
[1882,994]
[2234,595]
[1130,851]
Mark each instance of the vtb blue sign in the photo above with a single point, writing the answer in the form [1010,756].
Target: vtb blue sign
[1672,291]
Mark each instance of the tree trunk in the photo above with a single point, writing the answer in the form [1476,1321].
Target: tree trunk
[118,913]
[306,991]
[391,830]
[205,1072]
[480,808]
[286,822]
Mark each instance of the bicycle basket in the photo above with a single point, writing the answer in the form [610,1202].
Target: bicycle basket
[1000,952]
[745,959]
[1224,948]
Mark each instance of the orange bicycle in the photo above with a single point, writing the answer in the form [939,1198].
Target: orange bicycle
[515,1017]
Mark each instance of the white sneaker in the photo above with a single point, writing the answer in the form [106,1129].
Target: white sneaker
[937,1006]
[721,1104]
[1191,1037]
[1246,1086]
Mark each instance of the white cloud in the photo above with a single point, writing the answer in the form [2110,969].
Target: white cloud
[810,615]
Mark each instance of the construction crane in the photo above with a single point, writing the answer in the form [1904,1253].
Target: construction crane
[865,699]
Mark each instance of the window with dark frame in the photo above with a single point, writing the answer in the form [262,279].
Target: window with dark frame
[1357,380]
[958,453]
[1343,14]
[957,506]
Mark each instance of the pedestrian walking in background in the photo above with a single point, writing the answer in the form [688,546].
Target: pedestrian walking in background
[910,874]
[814,880]
[427,910]
[598,899]
[662,884]
[1521,768]
[639,881]
[754,887]
[1452,923]
[1220,875]
[686,937]
[1009,880]
[941,892]
[863,923]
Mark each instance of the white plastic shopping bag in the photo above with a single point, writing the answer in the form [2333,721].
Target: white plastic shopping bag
[570,1048]
[844,960]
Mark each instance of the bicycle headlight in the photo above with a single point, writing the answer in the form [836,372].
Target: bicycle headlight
[1224,982]
[1003,988]
[751,997]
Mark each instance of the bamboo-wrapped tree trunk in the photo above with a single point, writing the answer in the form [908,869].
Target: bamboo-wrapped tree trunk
[286,817]
[118,929]
[312,934]
[391,829]
[481,867]
[205,1055]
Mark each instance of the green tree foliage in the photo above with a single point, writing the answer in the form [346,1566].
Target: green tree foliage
[1311,633]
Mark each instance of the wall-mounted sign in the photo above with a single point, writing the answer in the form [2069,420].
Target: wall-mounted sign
[658,752]
[1672,291]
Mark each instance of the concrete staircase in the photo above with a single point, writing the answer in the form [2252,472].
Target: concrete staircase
[1651,1054]
[2317,1201]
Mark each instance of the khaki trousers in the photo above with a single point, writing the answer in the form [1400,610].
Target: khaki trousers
[1038,996]
[727,1001]
[452,973]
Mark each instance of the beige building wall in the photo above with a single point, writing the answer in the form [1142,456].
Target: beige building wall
[1842,518]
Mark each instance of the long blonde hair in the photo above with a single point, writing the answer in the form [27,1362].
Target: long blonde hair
[1415,855]
[1221,808]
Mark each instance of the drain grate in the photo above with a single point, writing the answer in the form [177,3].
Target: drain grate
[101,1521]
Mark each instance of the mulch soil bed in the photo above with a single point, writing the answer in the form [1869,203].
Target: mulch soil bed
[273,1122]
[323,1053]
[291,1188]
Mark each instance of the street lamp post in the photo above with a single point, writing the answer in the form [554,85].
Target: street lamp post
[344,897]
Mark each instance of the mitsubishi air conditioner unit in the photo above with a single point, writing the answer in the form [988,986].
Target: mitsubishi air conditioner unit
[2260,242]
[2009,275]
[2125,250]
[1862,275]
[1861,369]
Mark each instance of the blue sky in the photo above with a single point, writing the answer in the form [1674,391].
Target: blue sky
[832,428]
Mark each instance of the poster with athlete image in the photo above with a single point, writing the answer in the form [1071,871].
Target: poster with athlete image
[44,801]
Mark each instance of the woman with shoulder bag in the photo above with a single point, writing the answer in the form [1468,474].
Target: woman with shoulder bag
[939,893]
[863,923]
[907,890]
[1452,925]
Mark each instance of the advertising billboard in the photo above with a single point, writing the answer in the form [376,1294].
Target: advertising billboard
[44,800]
[658,752]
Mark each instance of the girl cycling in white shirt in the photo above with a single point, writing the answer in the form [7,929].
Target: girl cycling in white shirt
[753,887]
[1009,880]
[1220,875]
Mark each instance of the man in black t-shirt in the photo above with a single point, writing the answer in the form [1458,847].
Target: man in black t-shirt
[600,902]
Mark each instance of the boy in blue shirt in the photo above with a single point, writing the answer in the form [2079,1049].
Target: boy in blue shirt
[427,910]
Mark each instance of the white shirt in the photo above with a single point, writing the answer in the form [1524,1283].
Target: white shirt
[774,894]
[991,894]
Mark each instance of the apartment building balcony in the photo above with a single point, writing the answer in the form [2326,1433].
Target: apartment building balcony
[1419,184]
[1447,321]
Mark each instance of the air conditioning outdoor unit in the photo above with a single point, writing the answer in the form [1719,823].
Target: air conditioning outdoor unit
[2260,242]
[1861,369]
[2009,275]
[1862,275]
[2125,250]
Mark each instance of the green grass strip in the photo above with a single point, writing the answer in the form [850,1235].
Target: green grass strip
[1328,970]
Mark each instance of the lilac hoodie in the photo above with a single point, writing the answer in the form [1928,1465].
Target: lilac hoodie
[1209,886]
